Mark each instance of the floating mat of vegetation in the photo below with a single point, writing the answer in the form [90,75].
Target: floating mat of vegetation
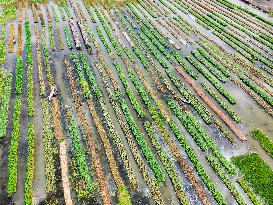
[257,173]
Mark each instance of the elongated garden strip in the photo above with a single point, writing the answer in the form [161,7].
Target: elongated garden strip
[30,71]
[264,140]
[249,192]
[68,38]
[2,52]
[13,151]
[2,82]
[74,33]
[50,150]
[5,105]
[65,176]
[79,152]
[19,32]
[28,198]
[11,38]
[51,37]
[84,33]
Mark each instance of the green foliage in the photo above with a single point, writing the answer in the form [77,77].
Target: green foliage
[28,43]
[200,135]
[188,125]
[196,163]
[8,13]
[188,96]
[225,93]
[50,149]
[147,8]
[128,91]
[123,196]
[184,65]
[83,83]
[213,62]
[2,52]
[51,37]
[79,153]
[6,2]
[234,6]
[13,152]
[103,40]
[222,103]
[2,82]
[257,173]
[55,15]
[264,140]
[259,91]
[4,107]
[224,177]
[30,166]
[109,33]
[68,38]
[90,76]
[248,191]
[141,141]
[208,66]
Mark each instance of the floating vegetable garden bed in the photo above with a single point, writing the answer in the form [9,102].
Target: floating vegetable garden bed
[135,102]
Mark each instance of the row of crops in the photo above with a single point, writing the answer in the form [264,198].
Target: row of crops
[148,105]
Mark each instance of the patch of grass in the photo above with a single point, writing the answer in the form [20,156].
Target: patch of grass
[257,173]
